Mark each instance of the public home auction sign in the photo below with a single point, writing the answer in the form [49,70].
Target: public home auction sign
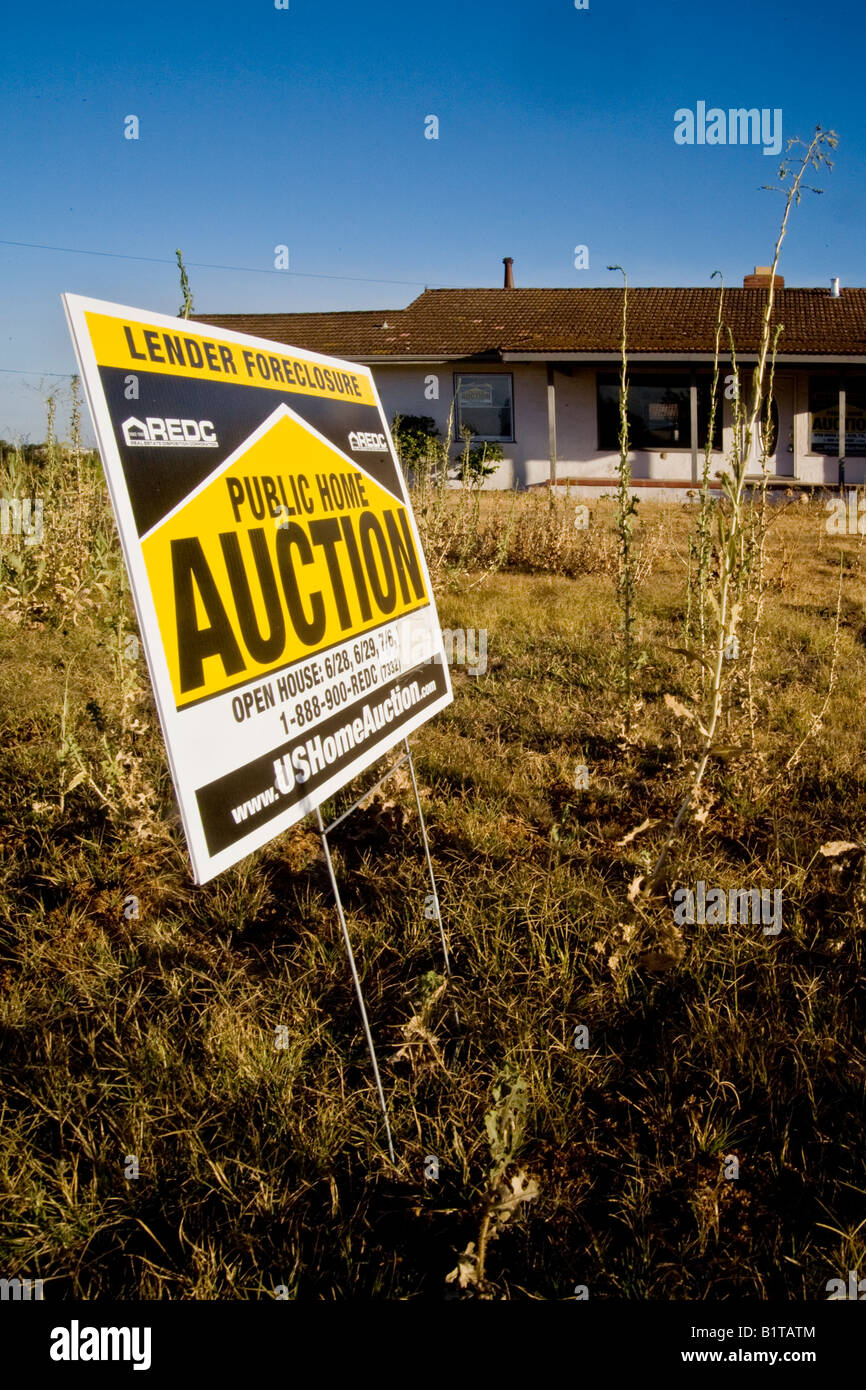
[281,591]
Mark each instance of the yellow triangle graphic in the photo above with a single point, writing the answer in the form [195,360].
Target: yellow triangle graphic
[289,550]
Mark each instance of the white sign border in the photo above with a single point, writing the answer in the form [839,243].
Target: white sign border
[205,865]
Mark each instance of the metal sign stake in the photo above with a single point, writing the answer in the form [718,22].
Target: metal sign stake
[429,860]
[324,832]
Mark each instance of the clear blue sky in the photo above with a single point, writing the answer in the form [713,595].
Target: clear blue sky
[305,127]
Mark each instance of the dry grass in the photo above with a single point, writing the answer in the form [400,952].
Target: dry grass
[154,1035]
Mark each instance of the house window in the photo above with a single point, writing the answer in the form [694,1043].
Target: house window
[659,411]
[483,404]
[824,415]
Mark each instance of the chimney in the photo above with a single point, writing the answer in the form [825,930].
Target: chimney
[834,287]
[761,279]
[508,262]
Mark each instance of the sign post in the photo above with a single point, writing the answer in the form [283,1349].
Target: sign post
[283,599]
[324,832]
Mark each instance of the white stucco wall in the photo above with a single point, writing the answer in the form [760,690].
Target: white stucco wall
[526,462]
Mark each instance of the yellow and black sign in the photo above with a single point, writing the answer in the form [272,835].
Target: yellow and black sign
[269,563]
[127,343]
[282,595]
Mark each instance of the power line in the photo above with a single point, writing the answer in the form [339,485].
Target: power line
[13,371]
[208,265]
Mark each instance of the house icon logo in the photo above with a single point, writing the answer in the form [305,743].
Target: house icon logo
[135,431]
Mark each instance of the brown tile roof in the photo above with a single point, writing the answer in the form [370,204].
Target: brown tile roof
[470,322]
[338,334]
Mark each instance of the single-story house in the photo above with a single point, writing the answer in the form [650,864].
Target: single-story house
[537,372]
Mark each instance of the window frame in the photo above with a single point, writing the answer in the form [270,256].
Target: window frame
[835,380]
[458,377]
[679,376]
[840,379]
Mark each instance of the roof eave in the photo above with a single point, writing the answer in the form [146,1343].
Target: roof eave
[440,358]
[662,355]
[657,355]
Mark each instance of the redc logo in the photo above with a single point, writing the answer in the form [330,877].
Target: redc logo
[157,432]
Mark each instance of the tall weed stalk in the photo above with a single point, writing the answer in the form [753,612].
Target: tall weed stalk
[725,597]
